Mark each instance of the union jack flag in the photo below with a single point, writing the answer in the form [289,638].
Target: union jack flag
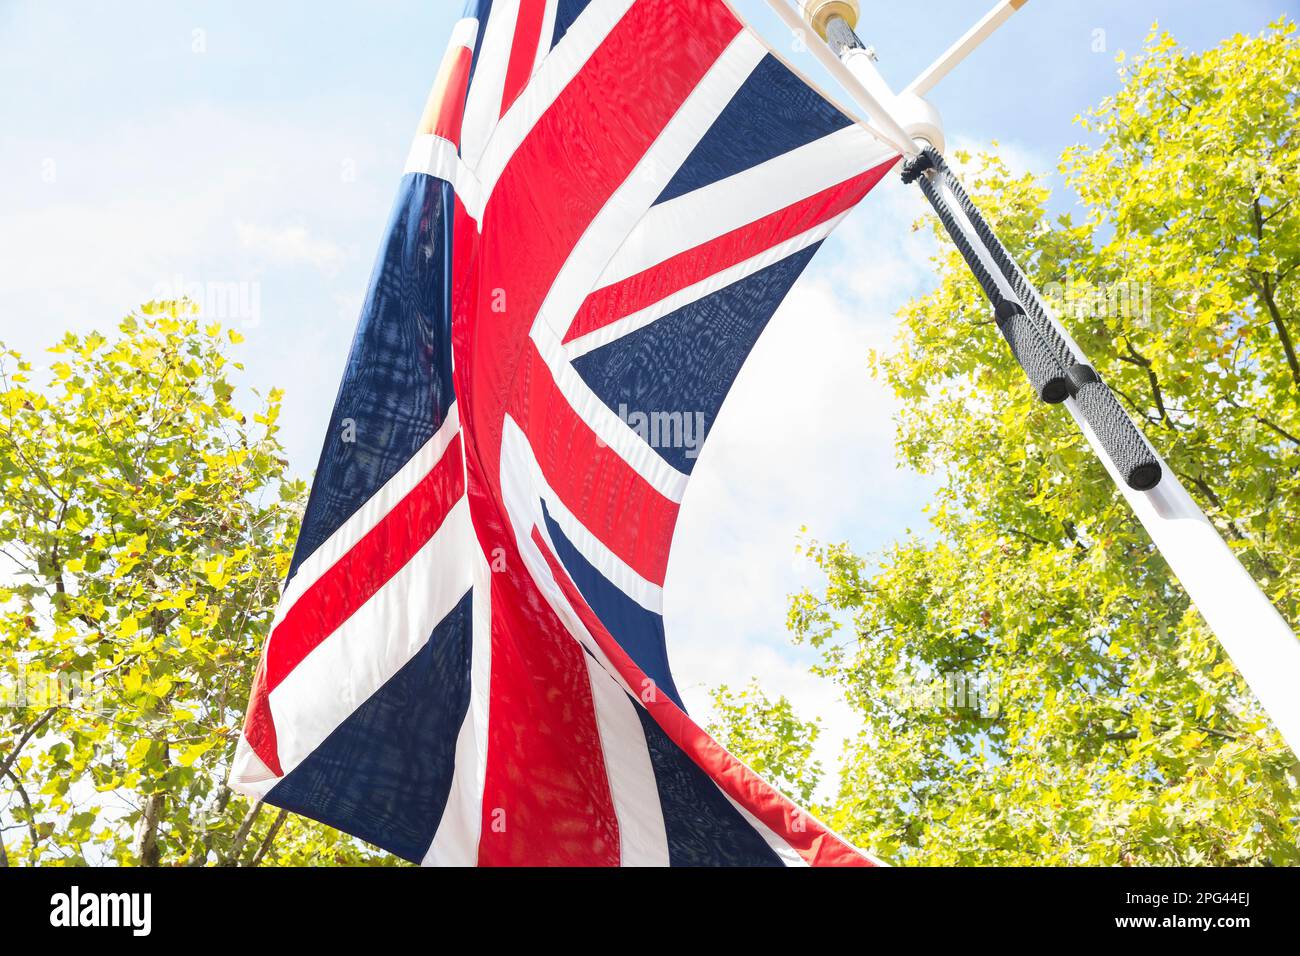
[606,202]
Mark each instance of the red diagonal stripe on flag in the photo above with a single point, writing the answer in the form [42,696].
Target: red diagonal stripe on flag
[546,794]
[523,52]
[631,295]
[348,584]
[610,497]
[817,845]
[661,50]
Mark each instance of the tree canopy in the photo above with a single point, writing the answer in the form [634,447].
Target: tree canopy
[1032,683]
[145,528]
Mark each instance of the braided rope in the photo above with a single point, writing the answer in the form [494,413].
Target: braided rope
[1022,287]
[1049,363]
[1046,371]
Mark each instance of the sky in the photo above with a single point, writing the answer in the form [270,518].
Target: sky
[154,147]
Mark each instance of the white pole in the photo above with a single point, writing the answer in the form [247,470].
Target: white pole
[964,47]
[884,125]
[1251,630]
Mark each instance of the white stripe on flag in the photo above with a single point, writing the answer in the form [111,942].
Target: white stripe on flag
[464,33]
[696,217]
[483,104]
[643,840]
[693,293]
[611,430]
[372,645]
[456,841]
[248,775]
[365,518]
[548,31]
[653,172]
[522,483]
[437,157]
[789,856]
[558,69]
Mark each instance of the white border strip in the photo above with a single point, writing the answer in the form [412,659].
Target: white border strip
[642,835]
[697,217]
[705,287]
[369,515]
[358,658]
[629,205]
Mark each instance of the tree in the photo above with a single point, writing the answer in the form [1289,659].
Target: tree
[779,743]
[1033,684]
[146,525]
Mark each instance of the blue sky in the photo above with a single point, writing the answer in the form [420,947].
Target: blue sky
[151,145]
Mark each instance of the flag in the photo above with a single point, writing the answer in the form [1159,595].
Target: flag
[605,204]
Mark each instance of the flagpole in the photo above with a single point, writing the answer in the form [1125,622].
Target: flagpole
[981,31]
[1252,632]
[883,124]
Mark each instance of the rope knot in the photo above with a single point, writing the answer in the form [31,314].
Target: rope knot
[918,164]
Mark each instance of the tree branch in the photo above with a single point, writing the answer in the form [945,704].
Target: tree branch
[146,829]
[1143,362]
[1277,428]
[241,835]
[269,838]
[31,815]
[1264,420]
[22,741]
[1264,287]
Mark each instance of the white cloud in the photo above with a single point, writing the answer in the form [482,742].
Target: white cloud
[290,245]
[224,201]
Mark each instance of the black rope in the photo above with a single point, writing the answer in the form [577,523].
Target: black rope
[1024,291]
[1046,373]
[1051,366]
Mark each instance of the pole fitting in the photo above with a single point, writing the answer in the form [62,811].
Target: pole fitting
[916,118]
[818,14]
